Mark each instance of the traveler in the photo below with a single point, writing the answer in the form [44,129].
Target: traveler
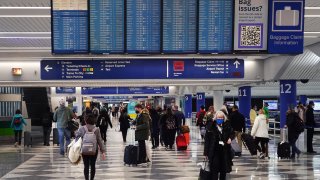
[103,124]
[62,116]
[238,124]
[293,135]
[90,136]
[161,113]
[142,133]
[253,114]
[266,111]
[47,119]
[96,113]
[155,128]
[217,147]
[225,110]
[310,125]
[85,113]
[124,121]
[169,125]
[260,133]
[17,124]
[179,115]
[209,115]
[199,119]
[301,110]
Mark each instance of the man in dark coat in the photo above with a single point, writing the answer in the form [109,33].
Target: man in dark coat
[238,124]
[310,125]
[218,147]
[293,135]
[142,132]
[155,128]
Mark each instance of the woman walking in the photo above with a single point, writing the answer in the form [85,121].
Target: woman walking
[260,133]
[124,121]
[169,125]
[103,124]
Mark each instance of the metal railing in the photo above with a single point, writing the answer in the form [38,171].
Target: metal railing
[276,130]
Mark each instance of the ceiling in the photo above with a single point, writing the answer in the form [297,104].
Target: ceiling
[25,24]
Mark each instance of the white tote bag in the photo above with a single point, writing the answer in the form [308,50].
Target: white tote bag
[74,151]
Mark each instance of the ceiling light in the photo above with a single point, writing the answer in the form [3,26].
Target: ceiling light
[22,16]
[25,33]
[25,37]
[312,32]
[312,8]
[311,16]
[10,7]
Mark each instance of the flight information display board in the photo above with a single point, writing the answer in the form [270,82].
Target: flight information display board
[70,26]
[215,26]
[180,26]
[143,26]
[106,26]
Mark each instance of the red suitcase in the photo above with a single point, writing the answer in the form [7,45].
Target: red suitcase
[181,142]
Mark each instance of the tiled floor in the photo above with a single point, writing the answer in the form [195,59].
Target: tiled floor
[44,163]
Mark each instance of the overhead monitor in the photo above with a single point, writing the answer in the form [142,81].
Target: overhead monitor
[317,105]
[273,104]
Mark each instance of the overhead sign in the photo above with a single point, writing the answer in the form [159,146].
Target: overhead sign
[286,26]
[125,90]
[188,105]
[142,69]
[251,25]
[65,90]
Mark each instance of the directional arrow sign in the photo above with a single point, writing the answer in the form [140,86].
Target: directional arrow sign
[237,63]
[48,68]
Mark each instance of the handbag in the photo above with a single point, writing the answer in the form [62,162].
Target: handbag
[74,151]
[204,171]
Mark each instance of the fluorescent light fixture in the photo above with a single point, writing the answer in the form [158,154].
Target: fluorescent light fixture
[308,16]
[11,7]
[21,16]
[312,8]
[24,33]
[25,37]
[312,32]
[312,36]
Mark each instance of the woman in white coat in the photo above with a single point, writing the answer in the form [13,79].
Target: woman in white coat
[260,133]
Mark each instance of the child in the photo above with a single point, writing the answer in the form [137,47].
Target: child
[17,125]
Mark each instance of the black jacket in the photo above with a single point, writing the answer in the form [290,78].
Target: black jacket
[108,121]
[163,121]
[238,121]
[310,118]
[47,119]
[211,147]
[155,125]
[142,126]
[180,118]
[291,121]
[124,121]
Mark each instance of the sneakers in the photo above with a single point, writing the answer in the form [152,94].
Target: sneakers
[262,156]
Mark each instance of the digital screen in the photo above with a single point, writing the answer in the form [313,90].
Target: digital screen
[317,105]
[273,105]
[70,26]
[215,27]
[143,26]
[179,26]
[106,26]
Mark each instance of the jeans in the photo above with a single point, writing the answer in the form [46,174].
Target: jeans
[263,142]
[89,162]
[103,132]
[155,139]
[46,135]
[142,152]
[215,176]
[124,135]
[17,136]
[239,139]
[294,147]
[310,132]
[64,133]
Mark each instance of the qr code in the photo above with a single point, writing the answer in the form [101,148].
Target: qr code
[250,36]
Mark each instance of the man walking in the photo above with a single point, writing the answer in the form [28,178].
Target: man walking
[238,124]
[180,116]
[310,125]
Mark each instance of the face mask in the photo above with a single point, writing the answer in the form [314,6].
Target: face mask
[137,112]
[219,121]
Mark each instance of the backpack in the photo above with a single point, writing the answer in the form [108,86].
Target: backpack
[299,126]
[17,121]
[89,142]
[103,122]
[200,118]
[171,122]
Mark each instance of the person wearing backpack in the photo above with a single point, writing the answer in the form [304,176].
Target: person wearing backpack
[103,124]
[293,134]
[17,124]
[169,124]
[47,118]
[199,119]
[91,143]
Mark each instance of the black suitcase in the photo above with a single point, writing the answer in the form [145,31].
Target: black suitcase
[131,155]
[27,139]
[249,143]
[55,136]
[283,150]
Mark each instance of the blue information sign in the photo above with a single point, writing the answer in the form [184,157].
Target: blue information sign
[125,90]
[288,97]
[133,69]
[98,90]
[106,26]
[179,26]
[70,27]
[143,26]
[201,100]
[188,105]
[286,26]
[65,90]
[215,27]
[244,95]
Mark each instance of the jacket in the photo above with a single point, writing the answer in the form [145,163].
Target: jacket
[155,125]
[253,115]
[291,120]
[209,116]
[238,121]
[260,127]
[124,121]
[80,133]
[142,127]
[18,127]
[107,119]
[62,116]
[163,121]
[211,146]
[180,118]
[310,123]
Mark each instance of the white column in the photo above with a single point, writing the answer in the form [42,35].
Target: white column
[218,99]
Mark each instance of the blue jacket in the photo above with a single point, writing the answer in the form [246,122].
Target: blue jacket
[20,126]
[62,116]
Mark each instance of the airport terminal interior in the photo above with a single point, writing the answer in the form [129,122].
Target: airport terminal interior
[160,89]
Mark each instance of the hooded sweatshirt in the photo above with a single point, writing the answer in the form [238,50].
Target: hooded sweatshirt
[62,116]
[18,127]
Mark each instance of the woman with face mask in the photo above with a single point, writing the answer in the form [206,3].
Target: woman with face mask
[218,146]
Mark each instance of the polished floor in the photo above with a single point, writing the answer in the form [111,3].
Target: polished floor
[44,163]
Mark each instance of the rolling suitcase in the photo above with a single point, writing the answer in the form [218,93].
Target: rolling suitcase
[55,136]
[131,152]
[283,150]
[236,148]
[187,136]
[181,143]
[249,143]
[27,139]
